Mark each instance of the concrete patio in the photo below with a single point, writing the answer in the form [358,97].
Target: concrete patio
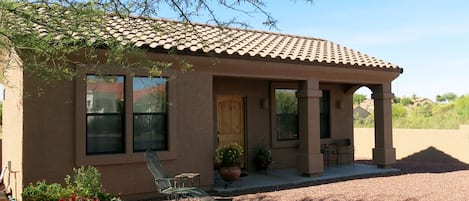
[290,178]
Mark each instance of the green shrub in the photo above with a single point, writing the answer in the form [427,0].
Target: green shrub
[83,186]
[42,191]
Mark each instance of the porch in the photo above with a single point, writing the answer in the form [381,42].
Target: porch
[277,179]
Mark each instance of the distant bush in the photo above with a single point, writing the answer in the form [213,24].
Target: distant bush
[442,115]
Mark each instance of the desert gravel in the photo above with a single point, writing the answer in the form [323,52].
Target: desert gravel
[417,181]
[417,186]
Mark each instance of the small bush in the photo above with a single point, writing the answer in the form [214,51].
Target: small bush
[83,186]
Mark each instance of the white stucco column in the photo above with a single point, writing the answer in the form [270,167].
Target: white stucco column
[384,154]
[309,160]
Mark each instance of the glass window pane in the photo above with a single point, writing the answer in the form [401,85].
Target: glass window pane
[150,113]
[104,94]
[104,134]
[105,114]
[149,94]
[325,107]
[286,104]
[150,132]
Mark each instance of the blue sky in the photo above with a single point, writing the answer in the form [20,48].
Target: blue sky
[429,39]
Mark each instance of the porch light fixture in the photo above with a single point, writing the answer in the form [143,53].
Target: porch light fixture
[340,104]
[264,103]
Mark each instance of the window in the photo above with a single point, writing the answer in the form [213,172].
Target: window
[286,112]
[106,120]
[104,114]
[149,114]
[325,114]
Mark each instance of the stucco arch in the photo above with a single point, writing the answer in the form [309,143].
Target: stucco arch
[384,154]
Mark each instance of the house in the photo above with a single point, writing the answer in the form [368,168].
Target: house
[288,93]
[364,109]
[360,112]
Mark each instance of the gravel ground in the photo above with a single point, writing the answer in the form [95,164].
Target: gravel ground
[431,176]
[418,180]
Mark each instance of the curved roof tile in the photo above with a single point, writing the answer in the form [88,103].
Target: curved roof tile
[166,34]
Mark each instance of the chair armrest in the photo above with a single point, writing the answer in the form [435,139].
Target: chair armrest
[164,179]
[171,182]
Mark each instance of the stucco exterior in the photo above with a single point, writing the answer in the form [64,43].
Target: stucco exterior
[45,123]
[43,135]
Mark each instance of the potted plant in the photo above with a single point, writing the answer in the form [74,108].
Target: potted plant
[230,157]
[263,159]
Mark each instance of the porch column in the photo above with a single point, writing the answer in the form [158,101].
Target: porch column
[309,160]
[384,154]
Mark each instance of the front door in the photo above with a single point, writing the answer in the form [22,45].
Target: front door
[230,120]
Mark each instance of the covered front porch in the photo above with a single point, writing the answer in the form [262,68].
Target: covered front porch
[277,179]
[250,112]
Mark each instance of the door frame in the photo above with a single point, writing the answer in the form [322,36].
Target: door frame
[244,119]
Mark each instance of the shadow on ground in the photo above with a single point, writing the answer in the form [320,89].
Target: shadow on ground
[429,160]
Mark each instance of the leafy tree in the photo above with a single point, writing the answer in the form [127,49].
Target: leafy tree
[462,107]
[48,35]
[447,97]
[358,98]
[406,101]
[398,111]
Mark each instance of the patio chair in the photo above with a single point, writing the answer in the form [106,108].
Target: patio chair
[167,186]
[345,151]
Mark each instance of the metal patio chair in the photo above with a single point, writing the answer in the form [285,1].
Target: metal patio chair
[168,186]
[345,151]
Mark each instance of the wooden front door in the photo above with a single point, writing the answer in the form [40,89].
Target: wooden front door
[230,120]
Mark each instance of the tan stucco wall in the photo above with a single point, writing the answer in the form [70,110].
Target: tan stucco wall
[453,142]
[12,137]
[50,121]
[257,117]
[258,131]
[49,137]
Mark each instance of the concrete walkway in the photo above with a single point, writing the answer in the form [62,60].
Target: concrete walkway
[290,178]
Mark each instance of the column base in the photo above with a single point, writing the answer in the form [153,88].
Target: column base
[384,158]
[309,164]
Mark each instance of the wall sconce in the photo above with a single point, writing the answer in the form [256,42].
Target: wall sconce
[264,103]
[340,104]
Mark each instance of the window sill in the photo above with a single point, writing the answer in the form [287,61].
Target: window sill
[285,144]
[113,159]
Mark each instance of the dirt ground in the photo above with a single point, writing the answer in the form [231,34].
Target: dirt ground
[434,165]
[419,179]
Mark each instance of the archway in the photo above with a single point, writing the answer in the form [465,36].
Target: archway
[363,123]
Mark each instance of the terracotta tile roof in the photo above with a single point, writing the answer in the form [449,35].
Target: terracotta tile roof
[160,34]
[234,41]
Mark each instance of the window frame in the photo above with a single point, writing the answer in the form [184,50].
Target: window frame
[120,114]
[273,117]
[128,156]
[165,114]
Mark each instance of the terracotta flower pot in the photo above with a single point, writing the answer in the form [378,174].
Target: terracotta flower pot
[230,173]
